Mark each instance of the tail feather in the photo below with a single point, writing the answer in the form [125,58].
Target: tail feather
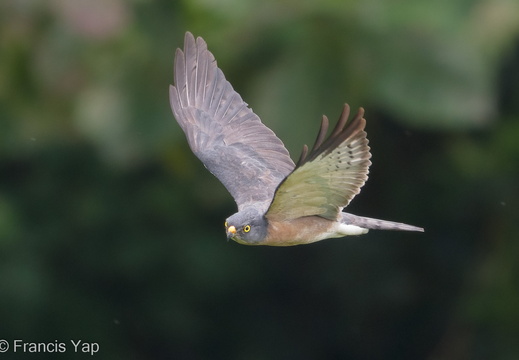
[377,224]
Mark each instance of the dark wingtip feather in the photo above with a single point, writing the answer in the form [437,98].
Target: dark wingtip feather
[343,119]
[342,131]
[303,155]
[322,133]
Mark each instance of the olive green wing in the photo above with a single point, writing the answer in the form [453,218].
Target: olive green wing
[326,179]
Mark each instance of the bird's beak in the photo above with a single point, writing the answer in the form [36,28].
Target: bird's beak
[231,231]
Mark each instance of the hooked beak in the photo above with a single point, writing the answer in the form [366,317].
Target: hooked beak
[231,231]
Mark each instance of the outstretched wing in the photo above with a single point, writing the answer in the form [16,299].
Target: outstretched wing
[326,179]
[222,131]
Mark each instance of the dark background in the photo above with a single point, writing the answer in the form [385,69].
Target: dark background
[111,231]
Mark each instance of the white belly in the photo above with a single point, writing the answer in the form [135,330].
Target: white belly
[341,230]
[344,229]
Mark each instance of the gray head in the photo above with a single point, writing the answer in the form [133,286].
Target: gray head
[247,227]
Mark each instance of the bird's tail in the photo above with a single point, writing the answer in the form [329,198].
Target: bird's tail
[369,223]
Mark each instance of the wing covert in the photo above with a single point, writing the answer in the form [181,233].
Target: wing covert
[222,131]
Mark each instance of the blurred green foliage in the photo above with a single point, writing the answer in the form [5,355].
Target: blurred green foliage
[111,230]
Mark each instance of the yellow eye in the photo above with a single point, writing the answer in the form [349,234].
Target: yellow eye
[225,224]
[246,228]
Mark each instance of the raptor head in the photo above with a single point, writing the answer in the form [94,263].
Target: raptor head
[247,227]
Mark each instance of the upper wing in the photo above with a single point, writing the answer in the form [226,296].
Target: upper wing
[222,130]
[330,176]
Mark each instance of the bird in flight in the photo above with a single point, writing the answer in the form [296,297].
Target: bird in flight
[279,203]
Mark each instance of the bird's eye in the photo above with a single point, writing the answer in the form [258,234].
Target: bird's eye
[225,224]
[246,228]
